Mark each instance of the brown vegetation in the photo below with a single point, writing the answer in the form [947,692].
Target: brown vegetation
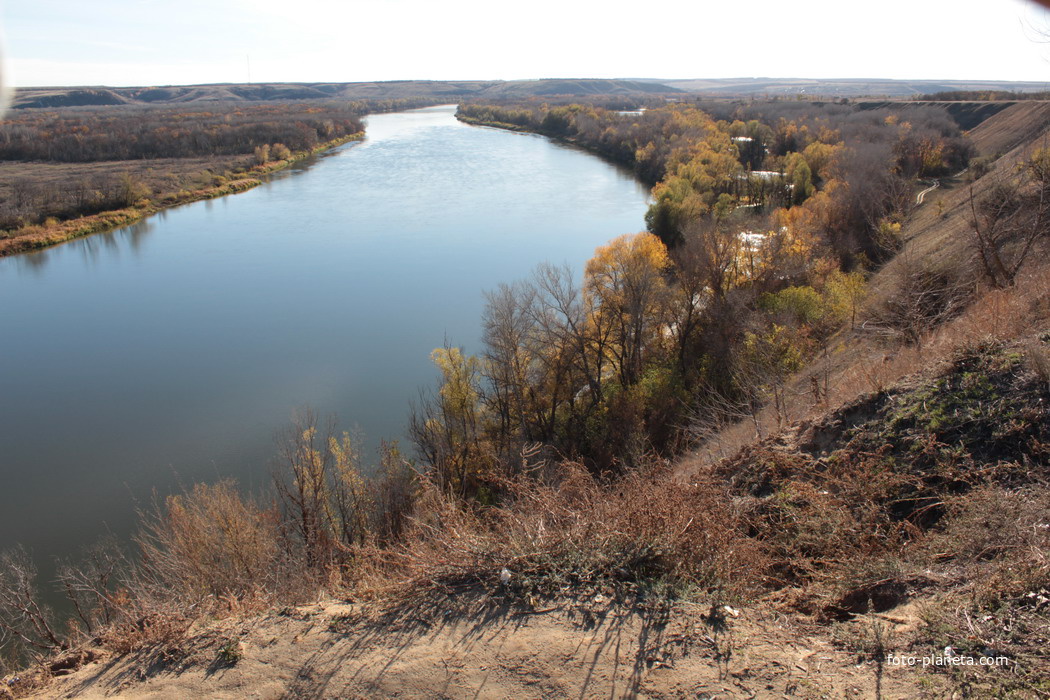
[874,459]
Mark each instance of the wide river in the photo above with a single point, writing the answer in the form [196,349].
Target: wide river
[172,351]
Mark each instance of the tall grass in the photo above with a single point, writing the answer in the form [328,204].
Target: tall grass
[572,532]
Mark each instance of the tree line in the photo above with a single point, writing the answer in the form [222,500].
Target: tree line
[130,133]
[617,367]
[714,157]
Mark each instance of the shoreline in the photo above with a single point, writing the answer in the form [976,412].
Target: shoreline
[41,236]
[505,126]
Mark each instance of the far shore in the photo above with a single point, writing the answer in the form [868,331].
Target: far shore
[38,236]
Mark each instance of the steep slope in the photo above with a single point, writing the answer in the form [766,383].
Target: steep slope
[1020,123]
[877,511]
[939,230]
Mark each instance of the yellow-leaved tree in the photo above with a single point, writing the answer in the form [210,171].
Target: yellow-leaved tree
[627,280]
[448,427]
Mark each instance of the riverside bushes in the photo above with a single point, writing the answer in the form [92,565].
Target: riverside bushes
[860,509]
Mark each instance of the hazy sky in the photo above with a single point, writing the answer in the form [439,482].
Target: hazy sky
[158,42]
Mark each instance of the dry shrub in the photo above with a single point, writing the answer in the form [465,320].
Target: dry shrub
[207,551]
[210,542]
[214,551]
[163,627]
[1003,534]
[579,531]
[918,296]
[1038,358]
[24,621]
[817,517]
[91,583]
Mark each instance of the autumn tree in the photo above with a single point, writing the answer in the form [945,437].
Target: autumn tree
[447,427]
[675,203]
[322,490]
[626,279]
[845,291]
[767,360]
[799,176]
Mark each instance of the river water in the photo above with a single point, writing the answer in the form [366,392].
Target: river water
[170,352]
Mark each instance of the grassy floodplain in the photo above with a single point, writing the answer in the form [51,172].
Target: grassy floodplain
[52,232]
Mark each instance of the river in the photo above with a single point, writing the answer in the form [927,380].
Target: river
[170,352]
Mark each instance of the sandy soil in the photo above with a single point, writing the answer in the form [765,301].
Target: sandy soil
[474,646]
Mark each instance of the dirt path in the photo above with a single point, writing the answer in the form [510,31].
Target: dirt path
[479,648]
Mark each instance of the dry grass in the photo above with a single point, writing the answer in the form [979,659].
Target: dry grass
[574,534]
[1005,527]
[863,364]
[1013,126]
[993,549]
[159,174]
[837,524]
[210,542]
[1038,358]
[169,189]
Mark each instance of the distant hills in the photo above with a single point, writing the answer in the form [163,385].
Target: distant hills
[496,89]
[257,92]
[844,87]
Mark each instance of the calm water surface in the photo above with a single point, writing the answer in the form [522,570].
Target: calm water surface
[170,352]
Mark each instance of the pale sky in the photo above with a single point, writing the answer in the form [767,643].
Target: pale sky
[173,42]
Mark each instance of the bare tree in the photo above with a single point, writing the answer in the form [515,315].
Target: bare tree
[24,620]
[919,296]
[1010,218]
[571,321]
[91,583]
[508,325]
